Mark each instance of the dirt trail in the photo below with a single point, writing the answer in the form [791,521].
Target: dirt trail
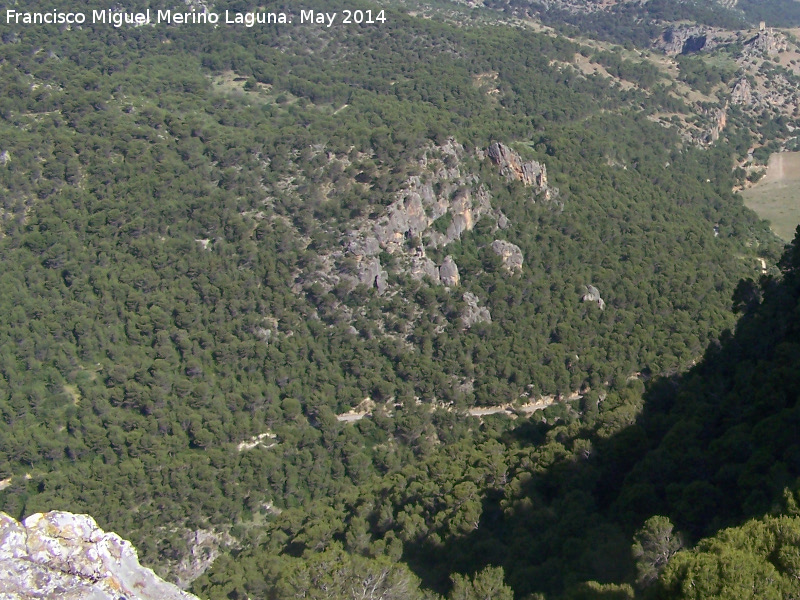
[478,411]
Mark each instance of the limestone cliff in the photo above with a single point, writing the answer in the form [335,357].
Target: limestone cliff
[62,556]
[530,172]
[685,40]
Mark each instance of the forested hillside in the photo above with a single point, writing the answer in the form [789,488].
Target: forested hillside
[187,303]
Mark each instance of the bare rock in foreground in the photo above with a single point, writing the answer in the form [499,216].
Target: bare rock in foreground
[62,556]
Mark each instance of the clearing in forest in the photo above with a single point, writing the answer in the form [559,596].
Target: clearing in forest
[776,197]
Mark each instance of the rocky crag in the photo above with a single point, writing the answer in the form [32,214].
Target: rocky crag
[530,172]
[593,295]
[435,207]
[62,556]
[431,211]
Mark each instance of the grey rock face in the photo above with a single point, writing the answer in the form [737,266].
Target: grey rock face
[473,313]
[367,246]
[766,42]
[62,556]
[510,253]
[406,218]
[422,266]
[204,548]
[373,275]
[463,218]
[686,40]
[511,164]
[4,157]
[448,272]
[593,295]
[742,93]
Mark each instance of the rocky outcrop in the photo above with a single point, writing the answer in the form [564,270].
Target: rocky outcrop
[448,272]
[511,163]
[406,218]
[368,246]
[530,172]
[719,121]
[205,544]
[766,42]
[593,295]
[434,208]
[410,223]
[473,313]
[372,274]
[4,157]
[422,266]
[686,40]
[463,218]
[510,253]
[742,93]
[62,556]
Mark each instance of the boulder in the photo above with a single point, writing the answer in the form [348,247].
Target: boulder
[448,272]
[593,295]
[510,253]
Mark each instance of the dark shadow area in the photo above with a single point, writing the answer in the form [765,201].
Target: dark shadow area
[694,44]
[710,449]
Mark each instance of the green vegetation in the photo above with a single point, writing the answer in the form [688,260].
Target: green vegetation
[775,198]
[168,202]
[776,13]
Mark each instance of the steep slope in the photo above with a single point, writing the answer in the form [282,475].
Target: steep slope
[188,271]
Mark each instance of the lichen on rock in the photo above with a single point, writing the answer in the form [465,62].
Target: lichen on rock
[60,555]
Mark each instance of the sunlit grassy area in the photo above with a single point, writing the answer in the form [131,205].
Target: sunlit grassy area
[776,197]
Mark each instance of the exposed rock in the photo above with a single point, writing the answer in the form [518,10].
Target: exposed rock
[372,274]
[463,219]
[407,218]
[367,246]
[502,221]
[742,93]
[59,555]
[4,157]
[421,266]
[409,226]
[719,120]
[766,42]
[473,313]
[686,40]
[205,544]
[593,295]
[510,253]
[448,272]
[511,164]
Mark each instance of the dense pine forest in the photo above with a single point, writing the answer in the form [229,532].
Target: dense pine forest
[185,312]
